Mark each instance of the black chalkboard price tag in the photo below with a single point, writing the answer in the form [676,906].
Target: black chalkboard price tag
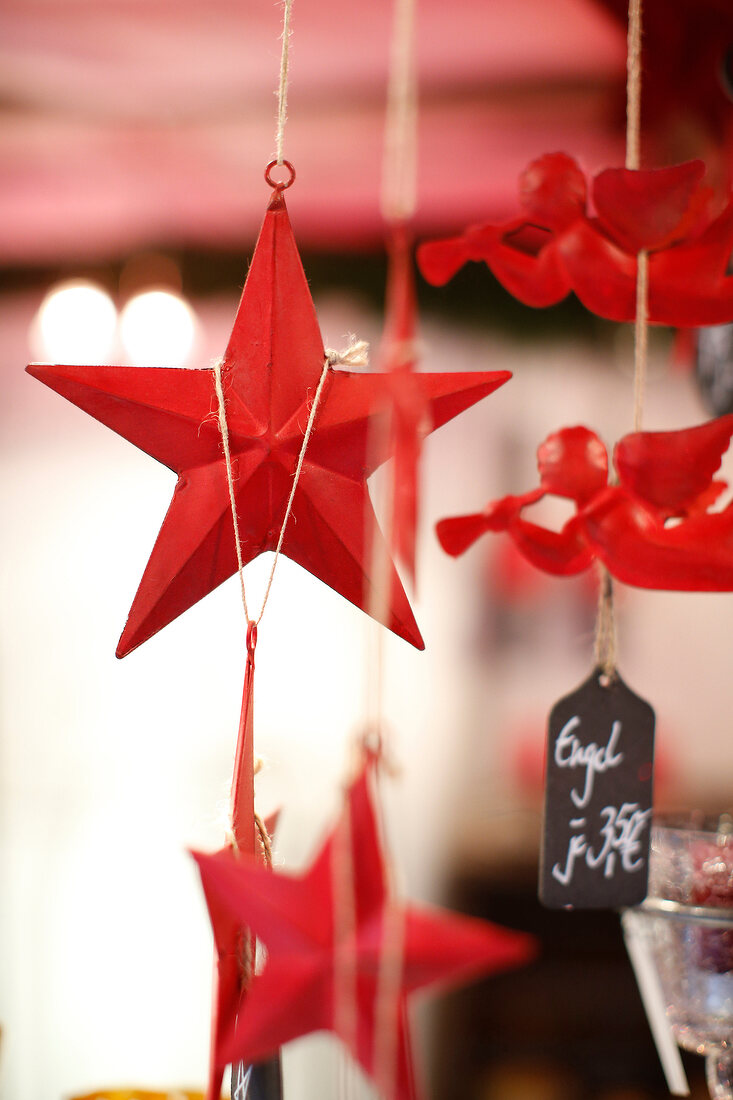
[257,1082]
[598,798]
[714,368]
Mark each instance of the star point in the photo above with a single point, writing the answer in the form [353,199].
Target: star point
[270,372]
[327,932]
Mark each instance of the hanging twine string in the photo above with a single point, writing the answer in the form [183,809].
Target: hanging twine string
[399,167]
[633,161]
[282,90]
[379,600]
[353,355]
[641,336]
[398,203]
[345,1009]
[633,86]
[296,478]
[605,640]
[224,429]
[265,840]
[399,200]
[389,982]
[345,993]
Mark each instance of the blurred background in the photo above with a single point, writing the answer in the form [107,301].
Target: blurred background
[133,137]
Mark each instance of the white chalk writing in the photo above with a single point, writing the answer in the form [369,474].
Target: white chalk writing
[241,1083]
[621,837]
[570,752]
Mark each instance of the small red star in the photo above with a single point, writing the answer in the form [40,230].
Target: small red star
[271,368]
[325,932]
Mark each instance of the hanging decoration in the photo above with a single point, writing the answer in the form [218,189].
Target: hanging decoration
[556,246]
[409,412]
[651,527]
[323,933]
[409,419]
[272,447]
[650,253]
[269,374]
[235,951]
[598,797]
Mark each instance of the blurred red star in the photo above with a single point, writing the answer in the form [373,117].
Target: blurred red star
[325,933]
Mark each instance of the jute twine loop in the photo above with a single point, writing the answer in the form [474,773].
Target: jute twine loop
[355,354]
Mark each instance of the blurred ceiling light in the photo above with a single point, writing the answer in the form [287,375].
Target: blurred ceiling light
[157,329]
[75,323]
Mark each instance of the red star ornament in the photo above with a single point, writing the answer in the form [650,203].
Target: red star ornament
[654,529]
[322,966]
[271,368]
[556,246]
[235,942]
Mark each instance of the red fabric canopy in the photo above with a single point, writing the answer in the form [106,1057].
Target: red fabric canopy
[133,124]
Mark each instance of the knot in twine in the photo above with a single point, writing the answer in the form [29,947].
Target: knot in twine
[356,354]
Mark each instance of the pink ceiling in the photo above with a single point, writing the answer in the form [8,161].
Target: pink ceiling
[128,123]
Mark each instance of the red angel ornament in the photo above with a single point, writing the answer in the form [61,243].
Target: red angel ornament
[654,529]
[327,932]
[271,369]
[556,246]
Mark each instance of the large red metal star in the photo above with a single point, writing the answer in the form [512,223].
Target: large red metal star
[270,371]
[326,933]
